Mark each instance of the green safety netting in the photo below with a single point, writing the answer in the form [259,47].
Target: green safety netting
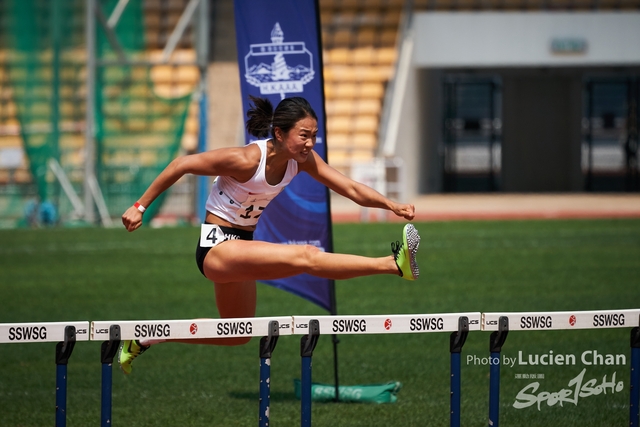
[43,72]
[137,132]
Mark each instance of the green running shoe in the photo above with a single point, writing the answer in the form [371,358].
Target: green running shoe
[129,350]
[405,253]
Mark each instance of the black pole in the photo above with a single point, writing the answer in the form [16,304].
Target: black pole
[590,90]
[333,309]
[492,117]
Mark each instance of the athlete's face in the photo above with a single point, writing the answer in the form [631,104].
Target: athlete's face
[299,141]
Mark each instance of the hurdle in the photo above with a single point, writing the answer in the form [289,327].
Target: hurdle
[502,323]
[112,332]
[269,329]
[65,334]
[458,324]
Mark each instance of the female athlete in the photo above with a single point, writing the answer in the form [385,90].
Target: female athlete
[248,178]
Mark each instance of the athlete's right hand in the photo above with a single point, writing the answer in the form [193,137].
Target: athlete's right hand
[132,219]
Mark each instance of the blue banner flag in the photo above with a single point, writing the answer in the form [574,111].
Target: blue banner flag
[280,56]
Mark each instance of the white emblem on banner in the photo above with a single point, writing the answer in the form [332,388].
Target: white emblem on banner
[279,67]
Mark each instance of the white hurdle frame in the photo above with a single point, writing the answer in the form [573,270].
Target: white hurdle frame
[66,334]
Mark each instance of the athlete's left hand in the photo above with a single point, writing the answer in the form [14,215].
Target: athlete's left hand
[407,211]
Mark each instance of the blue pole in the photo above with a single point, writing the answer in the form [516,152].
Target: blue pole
[202,182]
[107,384]
[456,342]
[494,389]
[634,392]
[305,393]
[61,395]
[634,406]
[496,341]
[455,390]
[107,351]
[265,391]
[307,345]
[63,352]
[267,346]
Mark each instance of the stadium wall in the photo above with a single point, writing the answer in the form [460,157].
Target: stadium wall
[542,60]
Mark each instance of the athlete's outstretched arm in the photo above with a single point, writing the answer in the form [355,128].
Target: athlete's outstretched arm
[239,162]
[356,191]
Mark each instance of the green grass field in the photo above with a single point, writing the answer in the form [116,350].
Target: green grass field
[101,274]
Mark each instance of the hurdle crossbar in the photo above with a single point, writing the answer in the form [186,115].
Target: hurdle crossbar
[190,328]
[41,332]
[387,323]
[559,320]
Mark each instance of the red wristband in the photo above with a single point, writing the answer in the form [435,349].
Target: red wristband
[138,206]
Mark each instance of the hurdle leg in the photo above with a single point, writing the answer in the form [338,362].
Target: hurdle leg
[267,345]
[457,340]
[107,352]
[634,390]
[496,341]
[307,345]
[63,352]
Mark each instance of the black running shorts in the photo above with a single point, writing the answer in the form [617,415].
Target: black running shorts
[233,233]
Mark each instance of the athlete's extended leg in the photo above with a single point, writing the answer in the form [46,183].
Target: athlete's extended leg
[236,264]
[239,260]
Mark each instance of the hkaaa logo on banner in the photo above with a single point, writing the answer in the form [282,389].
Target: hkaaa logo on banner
[279,67]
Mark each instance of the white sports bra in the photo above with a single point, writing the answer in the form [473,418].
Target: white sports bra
[243,203]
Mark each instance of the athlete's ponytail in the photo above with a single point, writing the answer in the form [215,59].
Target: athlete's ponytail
[260,115]
[262,119]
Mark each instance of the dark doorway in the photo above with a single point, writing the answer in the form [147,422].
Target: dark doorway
[610,127]
[472,126]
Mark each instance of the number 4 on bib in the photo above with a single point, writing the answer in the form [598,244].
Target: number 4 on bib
[210,235]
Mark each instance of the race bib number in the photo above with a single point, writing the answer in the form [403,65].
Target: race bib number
[210,235]
[251,212]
